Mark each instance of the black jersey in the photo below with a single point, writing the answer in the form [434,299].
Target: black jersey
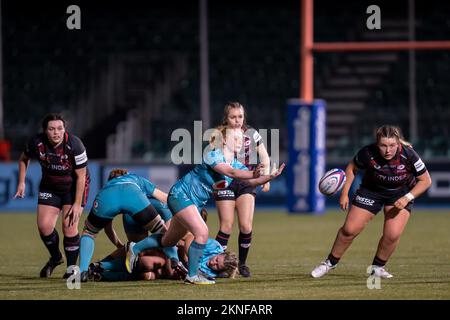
[58,164]
[248,154]
[397,174]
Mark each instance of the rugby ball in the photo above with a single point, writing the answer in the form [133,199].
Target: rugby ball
[332,182]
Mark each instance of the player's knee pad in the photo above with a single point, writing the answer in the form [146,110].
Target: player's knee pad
[94,224]
[149,219]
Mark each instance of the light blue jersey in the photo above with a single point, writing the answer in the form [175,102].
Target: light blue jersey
[143,184]
[198,184]
[212,248]
[127,194]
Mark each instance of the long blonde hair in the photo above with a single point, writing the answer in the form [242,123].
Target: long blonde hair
[231,262]
[388,131]
[217,137]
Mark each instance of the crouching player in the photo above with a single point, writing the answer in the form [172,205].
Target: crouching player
[127,194]
[192,192]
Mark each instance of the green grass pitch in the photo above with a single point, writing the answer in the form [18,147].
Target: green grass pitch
[284,250]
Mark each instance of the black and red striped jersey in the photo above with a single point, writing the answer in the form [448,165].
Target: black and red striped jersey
[248,154]
[396,174]
[58,164]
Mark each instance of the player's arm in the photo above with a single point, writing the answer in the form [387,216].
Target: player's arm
[266,178]
[350,173]
[423,183]
[160,195]
[265,161]
[24,162]
[229,171]
[112,235]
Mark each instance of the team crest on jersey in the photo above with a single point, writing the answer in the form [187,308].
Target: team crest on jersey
[95,204]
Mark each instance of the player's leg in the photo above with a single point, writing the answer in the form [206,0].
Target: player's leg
[225,211]
[192,221]
[365,206]
[49,207]
[355,222]
[93,225]
[245,205]
[174,233]
[71,241]
[394,223]
[226,204]
[149,219]
[166,215]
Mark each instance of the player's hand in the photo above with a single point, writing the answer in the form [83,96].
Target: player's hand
[401,203]
[343,201]
[258,170]
[74,214]
[266,187]
[20,193]
[276,172]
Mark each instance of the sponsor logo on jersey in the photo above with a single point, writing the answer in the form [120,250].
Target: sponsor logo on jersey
[366,201]
[391,178]
[58,167]
[419,165]
[72,248]
[221,184]
[81,158]
[222,193]
[256,136]
[44,195]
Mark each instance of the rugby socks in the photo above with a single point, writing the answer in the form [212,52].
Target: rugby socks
[333,260]
[114,265]
[87,245]
[223,238]
[378,262]
[195,255]
[153,241]
[71,249]
[171,253]
[52,243]
[245,240]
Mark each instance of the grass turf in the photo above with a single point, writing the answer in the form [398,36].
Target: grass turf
[284,250]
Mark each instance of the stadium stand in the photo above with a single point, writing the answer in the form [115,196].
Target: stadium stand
[147,67]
